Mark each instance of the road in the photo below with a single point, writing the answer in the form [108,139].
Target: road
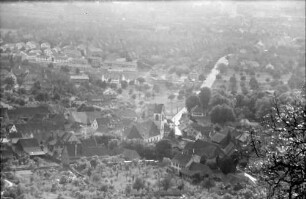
[208,82]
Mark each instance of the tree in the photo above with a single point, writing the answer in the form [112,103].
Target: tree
[50,65]
[222,68]
[222,114]
[253,83]
[36,85]
[284,155]
[65,69]
[42,96]
[156,88]
[113,86]
[128,189]
[141,80]
[204,97]
[138,184]
[201,77]
[233,83]
[208,183]
[163,149]
[191,102]
[9,81]
[218,99]
[227,165]
[124,84]
[262,107]
[166,183]
[119,91]
[219,76]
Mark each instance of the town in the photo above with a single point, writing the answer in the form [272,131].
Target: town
[143,107]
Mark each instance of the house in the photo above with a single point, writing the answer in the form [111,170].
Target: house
[31,45]
[229,149]
[132,133]
[11,128]
[110,94]
[120,66]
[243,138]
[26,113]
[193,76]
[60,60]
[78,62]
[222,139]
[45,45]
[39,130]
[156,112]
[48,52]
[113,78]
[94,52]
[29,146]
[203,150]
[43,59]
[150,131]
[196,170]
[126,113]
[70,52]
[20,46]
[95,61]
[104,124]
[85,122]
[197,111]
[129,155]
[79,78]
[87,148]
[180,161]
[14,137]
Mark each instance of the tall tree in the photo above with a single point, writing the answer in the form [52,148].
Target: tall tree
[253,83]
[284,154]
[222,114]
[191,102]
[204,97]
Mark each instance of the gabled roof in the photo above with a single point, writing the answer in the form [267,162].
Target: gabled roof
[69,137]
[28,142]
[84,117]
[218,137]
[28,111]
[43,127]
[181,159]
[14,135]
[125,113]
[132,133]
[203,148]
[243,137]
[85,151]
[30,146]
[130,154]
[229,149]
[196,168]
[95,151]
[148,129]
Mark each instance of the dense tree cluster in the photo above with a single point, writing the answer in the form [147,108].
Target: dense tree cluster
[284,154]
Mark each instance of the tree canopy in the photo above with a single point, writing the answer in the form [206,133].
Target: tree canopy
[204,97]
[284,155]
[191,102]
[222,114]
